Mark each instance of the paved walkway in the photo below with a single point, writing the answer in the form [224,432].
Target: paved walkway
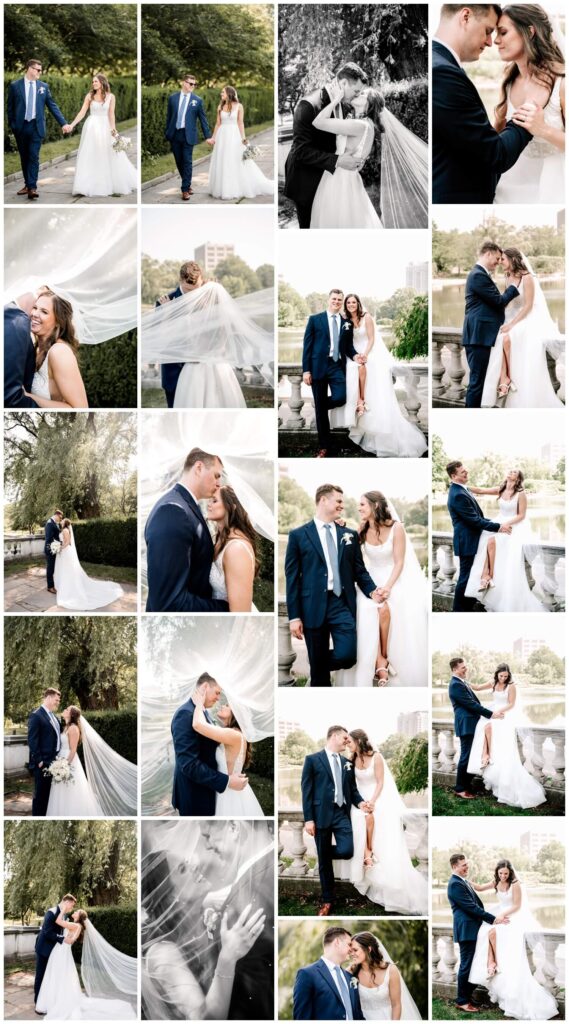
[56,180]
[19,996]
[17,804]
[26,592]
[168,190]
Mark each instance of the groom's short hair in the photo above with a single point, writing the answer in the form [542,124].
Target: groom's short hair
[455,662]
[58,512]
[489,246]
[198,455]
[453,466]
[205,678]
[335,291]
[335,932]
[325,489]
[478,10]
[51,692]
[456,859]
[190,271]
[352,71]
[32,61]
[69,897]
[333,729]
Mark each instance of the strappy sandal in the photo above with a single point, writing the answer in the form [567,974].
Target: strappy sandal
[492,970]
[504,390]
[377,676]
[360,409]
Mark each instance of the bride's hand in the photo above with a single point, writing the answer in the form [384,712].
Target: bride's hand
[530,117]
[335,91]
[198,699]
[238,940]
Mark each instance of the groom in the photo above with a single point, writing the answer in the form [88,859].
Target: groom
[323,563]
[468,522]
[324,990]
[50,934]
[19,353]
[467,710]
[178,542]
[467,915]
[190,278]
[51,533]
[184,111]
[483,316]
[44,743]
[469,155]
[27,99]
[328,792]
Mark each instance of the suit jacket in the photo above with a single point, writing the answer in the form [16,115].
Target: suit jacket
[169,372]
[316,996]
[307,575]
[50,933]
[318,788]
[179,553]
[468,520]
[466,706]
[17,107]
[484,308]
[312,152]
[467,910]
[194,112]
[43,740]
[252,996]
[19,358]
[196,778]
[468,154]
[51,533]
[316,344]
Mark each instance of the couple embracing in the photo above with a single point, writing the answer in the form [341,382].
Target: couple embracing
[66,577]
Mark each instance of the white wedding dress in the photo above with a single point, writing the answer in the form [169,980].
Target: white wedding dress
[77,591]
[73,799]
[538,175]
[100,171]
[208,386]
[384,430]
[392,881]
[232,803]
[40,381]
[230,176]
[341,200]
[528,363]
[505,776]
[217,574]
[513,987]
[511,592]
[61,998]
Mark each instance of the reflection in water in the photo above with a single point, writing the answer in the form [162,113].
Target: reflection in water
[290,797]
[290,344]
[448,302]
[547,523]
[537,707]
[548,908]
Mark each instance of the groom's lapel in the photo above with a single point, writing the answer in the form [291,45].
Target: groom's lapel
[326,763]
[312,533]
[192,505]
[341,547]
[325,973]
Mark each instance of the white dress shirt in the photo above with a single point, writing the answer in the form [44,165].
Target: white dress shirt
[55,725]
[320,526]
[331,755]
[450,50]
[332,968]
[183,97]
[339,322]
[29,84]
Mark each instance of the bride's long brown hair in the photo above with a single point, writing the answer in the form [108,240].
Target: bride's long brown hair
[237,520]
[545,59]
[381,514]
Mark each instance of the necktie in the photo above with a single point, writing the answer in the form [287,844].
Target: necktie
[335,338]
[30,102]
[207,718]
[182,112]
[333,556]
[55,724]
[338,779]
[344,992]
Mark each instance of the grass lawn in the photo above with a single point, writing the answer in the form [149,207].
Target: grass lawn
[52,149]
[155,166]
[256,398]
[264,790]
[302,905]
[445,1009]
[446,805]
[116,573]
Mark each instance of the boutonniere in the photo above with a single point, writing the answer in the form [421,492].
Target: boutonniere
[348,766]
[194,103]
[210,919]
[41,90]
[354,983]
[346,326]
[346,539]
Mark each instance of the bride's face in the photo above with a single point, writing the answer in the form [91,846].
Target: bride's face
[216,512]
[504,874]
[512,476]
[359,104]
[505,261]
[357,953]
[96,84]
[351,305]
[224,714]
[508,40]
[350,745]
[42,317]
[65,715]
[365,510]
[503,677]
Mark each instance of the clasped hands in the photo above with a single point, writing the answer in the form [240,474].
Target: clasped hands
[530,117]
[66,129]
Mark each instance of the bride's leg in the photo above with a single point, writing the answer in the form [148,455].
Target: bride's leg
[368,855]
[489,562]
[487,746]
[505,369]
[381,660]
[362,374]
[492,955]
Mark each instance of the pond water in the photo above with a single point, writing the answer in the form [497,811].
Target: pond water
[290,798]
[290,344]
[544,513]
[538,705]
[547,905]
[448,302]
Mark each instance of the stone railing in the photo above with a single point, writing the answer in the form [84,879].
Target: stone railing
[445,573]
[547,765]
[296,411]
[25,545]
[286,653]
[20,941]
[16,754]
[450,373]
[248,377]
[546,960]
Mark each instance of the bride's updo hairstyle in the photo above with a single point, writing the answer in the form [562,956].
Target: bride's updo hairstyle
[64,329]
[545,59]
[502,667]
[381,514]
[191,272]
[518,486]
[236,518]
[516,259]
[105,86]
[374,960]
[512,874]
[231,97]
[359,310]
[363,745]
[75,719]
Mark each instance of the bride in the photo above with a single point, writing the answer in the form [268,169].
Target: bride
[372,411]
[231,176]
[381,868]
[57,382]
[382,991]
[75,590]
[384,654]
[235,563]
[61,997]
[517,376]
[233,755]
[494,751]
[100,170]
[501,958]
[498,577]
[535,74]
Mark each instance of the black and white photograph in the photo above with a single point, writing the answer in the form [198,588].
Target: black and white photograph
[353,116]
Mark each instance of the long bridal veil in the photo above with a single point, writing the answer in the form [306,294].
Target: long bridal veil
[237,652]
[112,778]
[105,971]
[404,176]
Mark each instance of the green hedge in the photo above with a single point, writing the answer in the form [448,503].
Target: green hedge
[409,102]
[107,541]
[109,372]
[263,760]
[69,94]
[118,729]
[118,925]
[258,103]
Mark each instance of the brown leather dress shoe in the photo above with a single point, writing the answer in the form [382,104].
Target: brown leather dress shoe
[33,193]
[325,910]
[322,453]
[51,590]
[185,195]
[190,191]
[23,191]
[469,1008]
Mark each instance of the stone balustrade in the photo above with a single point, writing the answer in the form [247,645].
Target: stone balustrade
[25,545]
[450,373]
[546,960]
[445,573]
[16,755]
[286,653]
[248,377]
[20,941]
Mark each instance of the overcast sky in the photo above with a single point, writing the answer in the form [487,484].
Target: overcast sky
[169,233]
[496,632]
[403,478]
[362,709]
[449,832]
[469,433]
[470,217]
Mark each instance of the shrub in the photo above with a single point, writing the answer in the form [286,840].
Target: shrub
[408,101]
[117,924]
[107,541]
[411,329]
[109,372]
[118,729]
[263,762]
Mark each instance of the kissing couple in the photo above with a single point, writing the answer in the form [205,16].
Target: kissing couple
[188,569]
[349,369]
[65,577]
[210,757]
[370,988]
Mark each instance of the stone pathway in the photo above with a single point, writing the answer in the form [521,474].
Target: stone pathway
[56,179]
[26,592]
[17,804]
[167,189]
[19,996]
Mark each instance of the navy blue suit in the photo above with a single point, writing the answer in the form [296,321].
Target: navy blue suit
[467,915]
[468,154]
[51,532]
[326,373]
[316,996]
[331,820]
[183,140]
[312,152]
[50,935]
[169,372]
[196,778]
[322,613]
[19,359]
[43,743]
[467,710]
[484,314]
[29,135]
[468,522]
[179,555]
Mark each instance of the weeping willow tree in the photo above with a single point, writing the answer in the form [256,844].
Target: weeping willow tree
[91,659]
[94,860]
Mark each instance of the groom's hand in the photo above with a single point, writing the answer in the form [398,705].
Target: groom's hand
[349,163]
[501,919]
[362,360]
[310,828]
[307,378]
[163,299]
[66,129]
[497,714]
[210,142]
[505,528]
[296,629]
[376,596]
[237,781]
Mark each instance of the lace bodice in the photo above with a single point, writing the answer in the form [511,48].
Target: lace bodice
[221,758]
[500,698]
[98,109]
[217,574]
[552,115]
[375,1002]
[229,116]
[513,307]
[40,382]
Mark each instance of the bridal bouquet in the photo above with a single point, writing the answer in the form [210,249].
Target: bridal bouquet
[60,770]
[55,547]
[251,152]
[121,144]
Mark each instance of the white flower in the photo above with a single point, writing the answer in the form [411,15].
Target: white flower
[59,770]
[194,103]
[354,983]
[41,90]
[346,539]
[346,327]
[55,547]
[348,767]
[210,919]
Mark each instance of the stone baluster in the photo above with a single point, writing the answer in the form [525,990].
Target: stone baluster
[256,377]
[435,958]
[435,748]
[550,585]
[437,369]
[296,402]
[448,753]
[299,866]
[546,968]
[552,367]
[456,371]
[558,760]
[448,569]
[280,853]
[412,402]
[448,960]
[286,654]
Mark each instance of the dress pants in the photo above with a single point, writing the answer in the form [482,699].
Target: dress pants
[335,380]
[50,564]
[464,778]
[460,602]
[341,830]
[478,357]
[41,964]
[42,787]
[339,624]
[183,155]
[29,144]
[465,988]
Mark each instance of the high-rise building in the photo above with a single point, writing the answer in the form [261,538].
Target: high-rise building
[210,254]
[532,842]
[524,646]
[286,726]
[409,723]
[417,277]
[552,454]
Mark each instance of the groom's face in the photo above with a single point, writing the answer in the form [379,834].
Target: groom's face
[462,868]
[212,693]
[34,71]
[461,475]
[335,302]
[352,87]
[52,702]
[477,32]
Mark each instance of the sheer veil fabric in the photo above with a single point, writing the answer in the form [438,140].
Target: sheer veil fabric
[404,176]
[105,971]
[113,779]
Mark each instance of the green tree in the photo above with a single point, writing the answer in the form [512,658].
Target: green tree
[72,38]
[546,667]
[440,462]
[266,275]
[550,862]
[296,747]
[560,472]
[400,302]
[237,277]
[295,505]
[410,766]
[411,329]
[293,309]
